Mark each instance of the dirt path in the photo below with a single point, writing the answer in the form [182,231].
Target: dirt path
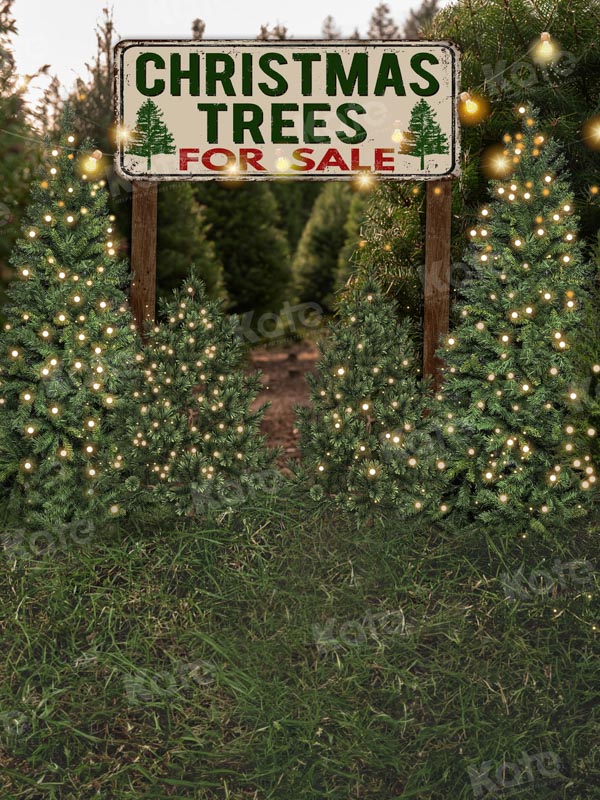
[285,387]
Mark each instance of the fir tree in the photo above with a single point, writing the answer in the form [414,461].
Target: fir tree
[183,238]
[64,352]
[316,261]
[190,436]
[391,246]
[295,199]
[495,39]
[330,30]
[20,156]
[425,135]
[382,25]
[278,33]
[587,354]
[245,227]
[366,441]
[353,241]
[517,456]
[198,29]
[419,19]
[151,135]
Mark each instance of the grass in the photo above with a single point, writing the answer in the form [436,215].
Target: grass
[289,655]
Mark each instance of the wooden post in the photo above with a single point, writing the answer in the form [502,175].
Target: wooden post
[143,252]
[437,273]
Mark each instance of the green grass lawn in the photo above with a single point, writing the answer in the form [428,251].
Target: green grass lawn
[293,655]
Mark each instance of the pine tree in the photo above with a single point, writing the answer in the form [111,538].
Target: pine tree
[517,456]
[151,135]
[198,29]
[295,200]
[353,241]
[278,33]
[391,246]
[587,355]
[20,154]
[366,441]
[65,350]
[495,39]
[419,19]
[245,228]
[425,135]
[183,238]
[190,436]
[316,262]
[382,25]
[330,30]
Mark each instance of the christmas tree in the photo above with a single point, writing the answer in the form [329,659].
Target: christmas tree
[512,427]
[424,137]
[65,348]
[316,262]
[256,277]
[382,25]
[190,436]
[151,135]
[367,442]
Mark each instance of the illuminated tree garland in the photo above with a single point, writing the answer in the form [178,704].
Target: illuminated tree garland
[190,437]
[519,455]
[366,442]
[64,349]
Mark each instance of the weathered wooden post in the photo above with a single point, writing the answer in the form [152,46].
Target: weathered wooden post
[437,273]
[143,252]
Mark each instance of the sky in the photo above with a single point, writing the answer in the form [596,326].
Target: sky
[61,32]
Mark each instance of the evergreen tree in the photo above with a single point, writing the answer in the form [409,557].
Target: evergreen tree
[425,135]
[151,135]
[250,245]
[497,62]
[295,200]
[316,261]
[183,237]
[191,438]
[330,30]
[20,155]
[517,456]
[419,19]
[391,246]
[366,441]
[382,25]
[587,351]
[353,241]
[181,241]
[198,29]
[64,352]
[278,33]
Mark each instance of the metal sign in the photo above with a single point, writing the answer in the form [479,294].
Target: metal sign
[247,110]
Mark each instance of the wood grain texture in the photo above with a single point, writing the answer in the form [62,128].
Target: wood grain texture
[437,273]
[143,252]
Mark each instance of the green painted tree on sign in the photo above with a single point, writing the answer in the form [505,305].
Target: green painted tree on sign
[425,137]
[151,136]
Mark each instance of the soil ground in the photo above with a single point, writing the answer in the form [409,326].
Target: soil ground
[283,378]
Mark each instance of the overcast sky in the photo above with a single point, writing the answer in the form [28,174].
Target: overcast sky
[61,32]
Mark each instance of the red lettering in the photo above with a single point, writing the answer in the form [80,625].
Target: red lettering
[186,158]
[384,162]
[207,159]
[252,157]
[356,165]
[332,158]
[307,163]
